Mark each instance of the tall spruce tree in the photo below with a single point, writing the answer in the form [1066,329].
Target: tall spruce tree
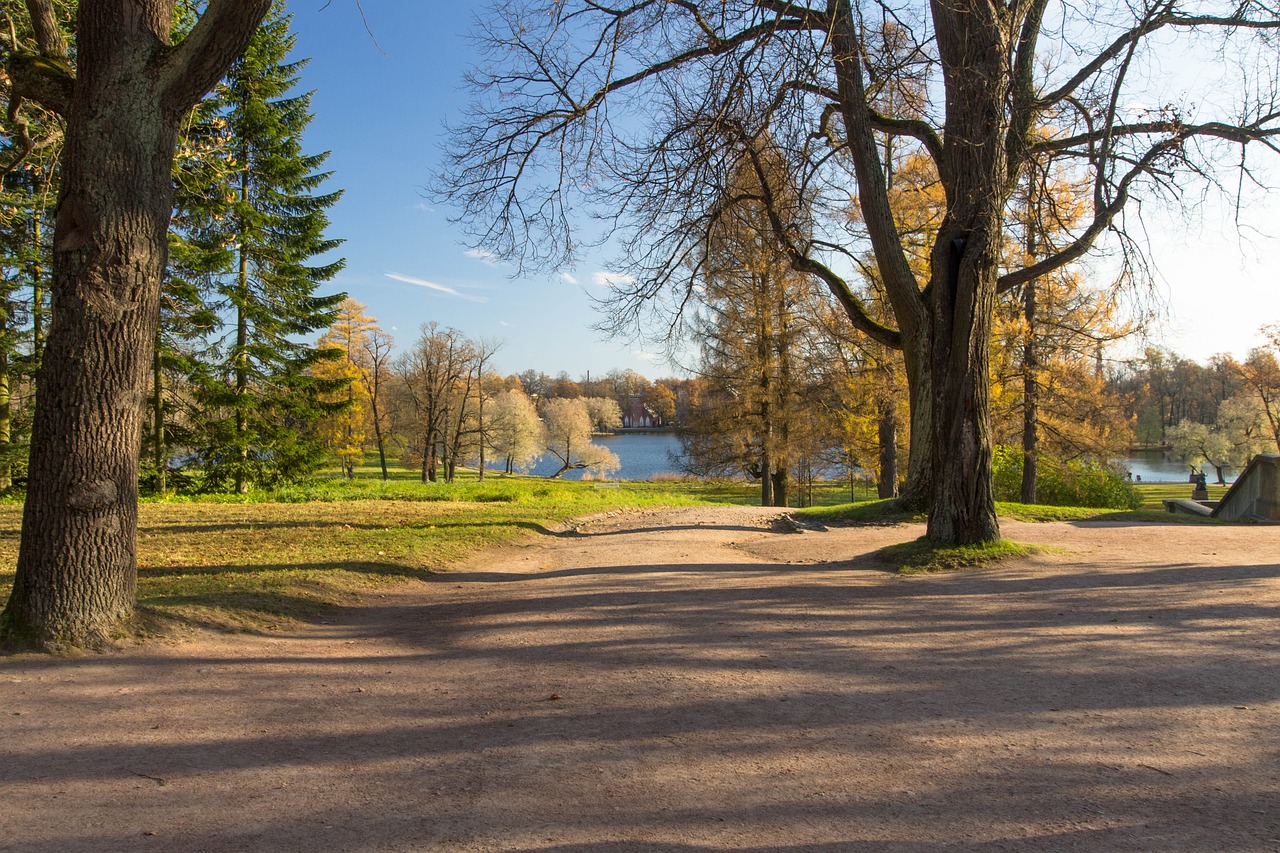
[188,310]
[259,397]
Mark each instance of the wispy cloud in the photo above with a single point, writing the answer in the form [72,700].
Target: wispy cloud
[485,257]
[504,323]
[438,288]
[568,278]
[645,356]
[424,207]
[604,278]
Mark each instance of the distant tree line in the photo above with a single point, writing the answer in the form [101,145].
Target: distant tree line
[1221,413]
[440,404]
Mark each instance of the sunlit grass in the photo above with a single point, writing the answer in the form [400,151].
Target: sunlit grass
[1154,494]
[247,562]
[256,561]
[1152,510]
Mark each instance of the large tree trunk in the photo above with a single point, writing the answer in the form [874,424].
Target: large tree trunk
[766,480]
[76,567]
[962,511]
[76,575]
[965,263]
[765,368]
[428,460]
[780,482]
[377,432]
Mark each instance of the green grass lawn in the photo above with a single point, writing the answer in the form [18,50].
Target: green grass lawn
[1154,494]
[255,561]
[248,562]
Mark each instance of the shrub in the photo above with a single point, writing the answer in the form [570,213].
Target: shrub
[1075,482]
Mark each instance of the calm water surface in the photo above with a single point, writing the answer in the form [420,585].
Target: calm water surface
[1154,466]
[646,454]
[642,454]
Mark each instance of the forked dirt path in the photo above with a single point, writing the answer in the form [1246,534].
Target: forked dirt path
[691,680]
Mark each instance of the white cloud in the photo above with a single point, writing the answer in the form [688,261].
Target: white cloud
[424,207]
[438,288]
[645,356]
[604,278]
[485,257]
[504,323]
[568,278]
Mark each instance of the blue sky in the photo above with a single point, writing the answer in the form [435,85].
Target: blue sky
[381,109]
[381,113]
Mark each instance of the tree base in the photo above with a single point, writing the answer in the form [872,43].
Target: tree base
[18,636]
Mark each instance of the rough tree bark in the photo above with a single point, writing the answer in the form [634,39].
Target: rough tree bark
[887,480]
[77,573]
[973,46]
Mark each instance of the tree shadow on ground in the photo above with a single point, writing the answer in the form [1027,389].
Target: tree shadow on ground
[636,707]
[256,612]
[363,567]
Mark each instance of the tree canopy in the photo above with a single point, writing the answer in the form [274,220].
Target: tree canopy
[642,112]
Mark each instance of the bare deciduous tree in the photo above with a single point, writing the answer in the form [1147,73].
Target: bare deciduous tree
[641,111]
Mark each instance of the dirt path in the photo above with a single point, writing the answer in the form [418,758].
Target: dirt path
[692,681]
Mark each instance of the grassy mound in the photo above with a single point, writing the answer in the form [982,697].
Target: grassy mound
[920,556]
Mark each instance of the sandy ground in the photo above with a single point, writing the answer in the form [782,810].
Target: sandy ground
[693,680]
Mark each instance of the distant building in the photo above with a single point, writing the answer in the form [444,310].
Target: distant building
[636,415]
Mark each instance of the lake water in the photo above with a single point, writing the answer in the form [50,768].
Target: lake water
[1153,466]
[642,454]
[645,454]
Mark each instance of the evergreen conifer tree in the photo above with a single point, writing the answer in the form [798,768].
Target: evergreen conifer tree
[188,305]
[258,397]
